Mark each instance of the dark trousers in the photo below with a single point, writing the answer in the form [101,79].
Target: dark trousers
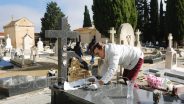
[133,73]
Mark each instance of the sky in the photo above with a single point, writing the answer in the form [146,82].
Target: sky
[34,10]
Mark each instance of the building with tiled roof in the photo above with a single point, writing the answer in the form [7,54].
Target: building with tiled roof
[1,34]
[87,34]
[17,30]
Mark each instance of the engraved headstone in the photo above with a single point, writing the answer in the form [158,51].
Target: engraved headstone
[126,35]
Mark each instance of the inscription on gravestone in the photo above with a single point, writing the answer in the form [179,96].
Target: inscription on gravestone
[62,35]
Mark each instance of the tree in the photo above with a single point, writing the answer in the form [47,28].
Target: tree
[162,23]
[154,20]
[146,30]
[51,20]
[112,13]
[180,21]
[175,19]
[87,20]
[140,16]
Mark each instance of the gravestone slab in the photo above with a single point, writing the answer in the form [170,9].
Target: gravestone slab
[152,59]
[173,75]
[109,94]
[16,85]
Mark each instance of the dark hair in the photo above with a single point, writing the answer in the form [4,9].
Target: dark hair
[97,45]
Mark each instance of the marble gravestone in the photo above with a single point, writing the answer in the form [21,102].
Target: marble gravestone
[112,32]
[171,57]
[126,35]
[8,45]
[40,45]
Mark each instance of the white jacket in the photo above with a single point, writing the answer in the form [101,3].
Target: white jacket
[116,55]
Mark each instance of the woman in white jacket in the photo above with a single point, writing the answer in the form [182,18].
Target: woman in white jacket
[131,58]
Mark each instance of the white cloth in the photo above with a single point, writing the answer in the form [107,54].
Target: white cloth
[80,83]
[115,55]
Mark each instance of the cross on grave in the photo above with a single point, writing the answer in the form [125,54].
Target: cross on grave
[62,46]
[170,37]
[112,32]
[138,38]
[138,34]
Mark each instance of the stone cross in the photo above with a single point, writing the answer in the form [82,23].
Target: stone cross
[138,38]
[62,46]
[112,32]
[170,37]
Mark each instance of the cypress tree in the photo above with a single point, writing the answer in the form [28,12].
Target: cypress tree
[180,22]
[146,31]
[162,23]
[171,18]
[154,20]
[140,16]
[112,13]
[87,20]
[51,20]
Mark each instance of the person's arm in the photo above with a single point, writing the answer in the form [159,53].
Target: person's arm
[113,66]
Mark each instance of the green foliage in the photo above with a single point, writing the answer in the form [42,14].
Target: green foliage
[112,13]
[162,35]
[140,16]
[180,21]
[175,19]
[146,29]
[51,19]
[87,20]
[154,32]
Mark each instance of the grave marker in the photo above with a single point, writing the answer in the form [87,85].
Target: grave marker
[62,46]
[138,44]
[112,32]
[171,58]
[126,35]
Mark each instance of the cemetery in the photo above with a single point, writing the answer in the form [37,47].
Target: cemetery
[79,72]
[67,72]
[75,75]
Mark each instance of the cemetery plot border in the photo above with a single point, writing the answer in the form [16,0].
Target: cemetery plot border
[21,87]
[152,59]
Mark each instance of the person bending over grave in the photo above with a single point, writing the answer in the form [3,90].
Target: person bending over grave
[93,41]
[130,58]
[78,49]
